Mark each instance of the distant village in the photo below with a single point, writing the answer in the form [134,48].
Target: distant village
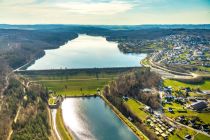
[184,50]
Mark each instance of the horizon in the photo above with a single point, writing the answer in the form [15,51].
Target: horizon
[105,24]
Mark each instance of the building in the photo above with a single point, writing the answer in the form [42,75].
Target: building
[199,105]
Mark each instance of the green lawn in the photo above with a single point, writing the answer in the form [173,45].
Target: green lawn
[145,61]
[136,108]
[76,87]
[51,101]
[60,126]
[76,83]
[177,85]
[203,116]
[201,137]
[180,133]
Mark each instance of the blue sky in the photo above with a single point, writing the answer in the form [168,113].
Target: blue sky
[120,12]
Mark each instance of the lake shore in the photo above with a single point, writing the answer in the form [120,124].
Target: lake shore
[123,119]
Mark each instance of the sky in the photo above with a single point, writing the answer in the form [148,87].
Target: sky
[105,12]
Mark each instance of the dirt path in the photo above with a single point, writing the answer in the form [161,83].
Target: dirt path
[53,133]
[17,114]
[15,120]
[53,112]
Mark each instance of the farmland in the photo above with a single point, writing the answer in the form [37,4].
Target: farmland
[176,84]
[75,82]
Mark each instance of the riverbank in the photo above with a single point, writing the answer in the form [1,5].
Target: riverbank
[65,134]
[62,130]
[135,130]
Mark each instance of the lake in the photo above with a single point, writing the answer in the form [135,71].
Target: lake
[89,118]
[86,52]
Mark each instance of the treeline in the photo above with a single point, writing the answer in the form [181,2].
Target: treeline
[20,46]
[32,119]
[63,72]
[32,122]
[131,85]
[4,70]
[9,105]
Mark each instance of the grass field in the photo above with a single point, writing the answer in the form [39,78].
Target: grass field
[76,83]
[201,137]
[76,87]
[136,108]
[180,133]
[177,107]
[126,121]
[177,85]
[60,126]
[145,61]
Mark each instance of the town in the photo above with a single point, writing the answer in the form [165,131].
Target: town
[184,50]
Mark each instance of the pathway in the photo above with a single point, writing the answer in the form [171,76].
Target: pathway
[175,122]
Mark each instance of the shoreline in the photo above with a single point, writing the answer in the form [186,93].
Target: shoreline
[123,119]
[63,132]
[128,123]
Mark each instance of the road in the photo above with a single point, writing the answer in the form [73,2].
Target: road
[177,123]
[166,73]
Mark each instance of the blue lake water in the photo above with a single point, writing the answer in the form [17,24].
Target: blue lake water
[86,52]
[91,119]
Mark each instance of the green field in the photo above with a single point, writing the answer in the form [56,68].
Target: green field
[63,132]
[177,107]
[76,87]
[51,101]
[75,82]
[180,133]
[136,108]
[201,137]
[177,85]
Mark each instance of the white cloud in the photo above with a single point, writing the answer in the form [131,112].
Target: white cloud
[98,12]
[102,8]
[80,6]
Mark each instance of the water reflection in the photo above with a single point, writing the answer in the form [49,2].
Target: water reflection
[87,52]
[90,119]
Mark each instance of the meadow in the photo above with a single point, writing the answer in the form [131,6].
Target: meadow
[177,85]
[179,111]
[136,108]
[75,82]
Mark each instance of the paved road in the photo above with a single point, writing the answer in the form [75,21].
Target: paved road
[175,122]
[166,73]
